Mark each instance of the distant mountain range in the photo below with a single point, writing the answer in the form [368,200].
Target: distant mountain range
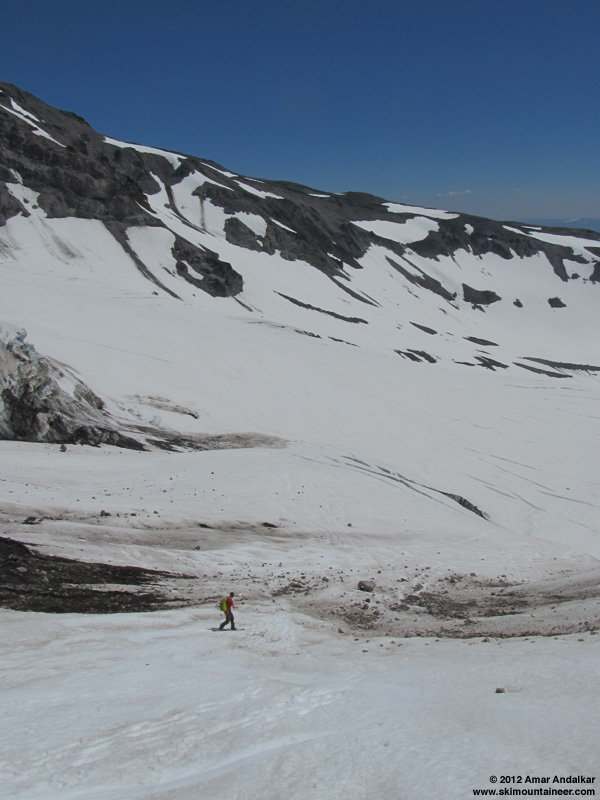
[583,223]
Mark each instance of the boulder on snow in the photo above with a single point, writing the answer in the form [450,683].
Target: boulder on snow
[366,586]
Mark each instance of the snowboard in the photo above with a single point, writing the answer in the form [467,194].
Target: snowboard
[222,630]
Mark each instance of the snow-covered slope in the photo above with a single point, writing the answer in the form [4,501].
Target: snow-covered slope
[311,381]
[456,352]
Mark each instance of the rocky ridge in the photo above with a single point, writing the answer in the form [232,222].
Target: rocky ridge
[54,166]
[77,172]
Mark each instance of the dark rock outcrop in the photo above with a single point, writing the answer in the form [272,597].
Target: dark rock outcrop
[479,297]
[217,278]
[76,172]
[239,234]
[556,302]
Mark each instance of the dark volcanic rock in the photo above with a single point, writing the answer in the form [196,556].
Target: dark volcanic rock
[462,501]
[241,235]
[417,355]
[479,298]
[430,331]
[490,363]
[77,173]
[539,371]
[507,240]
[487,236]
[556,302]
[565,365]
[422,279]
[322,310]
[477,340]
[74,172]
[31,581]
[218,278]
[366,586]
[9,205]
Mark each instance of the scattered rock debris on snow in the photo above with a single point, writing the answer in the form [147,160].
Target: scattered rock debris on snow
[409,601]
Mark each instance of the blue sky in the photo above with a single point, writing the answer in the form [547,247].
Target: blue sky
[485,106]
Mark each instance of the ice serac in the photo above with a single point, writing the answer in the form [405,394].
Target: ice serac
[40,401]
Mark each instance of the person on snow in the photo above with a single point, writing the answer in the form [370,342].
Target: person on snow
[226,605]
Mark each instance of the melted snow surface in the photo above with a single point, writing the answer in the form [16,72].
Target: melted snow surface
[160,706]
[303,702]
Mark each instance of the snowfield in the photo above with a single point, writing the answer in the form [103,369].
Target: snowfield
[314,696]
[300,700]
[159,706]
[425,419]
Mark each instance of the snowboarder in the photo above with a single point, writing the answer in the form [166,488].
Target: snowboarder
[226,605]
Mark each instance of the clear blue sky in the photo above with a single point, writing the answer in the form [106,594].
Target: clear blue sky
[485,106]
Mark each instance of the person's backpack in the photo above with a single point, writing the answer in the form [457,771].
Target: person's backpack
[223,605]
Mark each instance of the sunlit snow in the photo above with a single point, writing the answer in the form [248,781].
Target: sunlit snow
[372,450]
[411,230]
